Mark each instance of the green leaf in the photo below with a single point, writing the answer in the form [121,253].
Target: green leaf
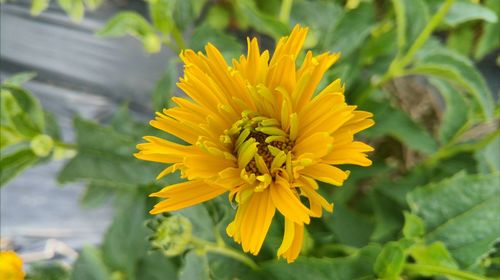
[90,265]
[351,30]
[74,9]
[96,195]
[488,159]
[327,14]
[461,39]
[161,12]
[14,160]
[21,109]
[389,263]
[105,156]
[125,23]
[134,24]
[263,23]
[395,123]
[125,242]
[227,44]
[456,110]
[462,212]
[356,266]
[195,267]
[156,266]
[20,78]
[44,271]
[388,218]
[458,69]
[218,17]
[93,4]
[38,6]
[411,18]
[489,39]
[165,87]
[200,219]
[462,12]
[414,227]
[435,254]
[184,14]
[349,233]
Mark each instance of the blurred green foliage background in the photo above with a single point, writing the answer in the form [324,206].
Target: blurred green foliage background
[429,206]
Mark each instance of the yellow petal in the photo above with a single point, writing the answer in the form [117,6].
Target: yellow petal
[294,250]
[288,203]
[288,236]
[186,194]
[326,173]
[256,221]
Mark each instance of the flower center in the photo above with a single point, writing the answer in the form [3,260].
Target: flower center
[260,144]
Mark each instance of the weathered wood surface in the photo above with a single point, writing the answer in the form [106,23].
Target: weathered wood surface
[78,73]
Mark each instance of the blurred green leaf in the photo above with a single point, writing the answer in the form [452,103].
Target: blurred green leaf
[184,14]
[47,271]
[14,160]
[74,8]
[95,195]
[461,39]
[349,233]
[395,123]
[414,226]
[263,23]
[458,69]
[356,266]
[90,265]
[461,202]
[351,30]
[125,242]
[161,12]
[125,23]
[38,6]
[227,44]
[389,263]
[21,110]
[93,4]
[19,79]
[489,39]
[156,266]
[132,23]
[462,12]
[488,159]
[434,254]
[195,267]
[218,17]
[326,15]
[388,217]
[455,114]
[165,87]
[411,18]
[105,156]
[200,219]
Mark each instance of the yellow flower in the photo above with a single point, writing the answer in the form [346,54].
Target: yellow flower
[11,266]
[257,131]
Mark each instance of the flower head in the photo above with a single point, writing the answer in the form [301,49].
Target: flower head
[258,131]
[11,266]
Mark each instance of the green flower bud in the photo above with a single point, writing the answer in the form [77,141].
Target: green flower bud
[172,234]
[42,145]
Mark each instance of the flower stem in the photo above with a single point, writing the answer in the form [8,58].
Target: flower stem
[222,249]
[398,64]
[179,40]
[286,7]
[424,35]
[439,270]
